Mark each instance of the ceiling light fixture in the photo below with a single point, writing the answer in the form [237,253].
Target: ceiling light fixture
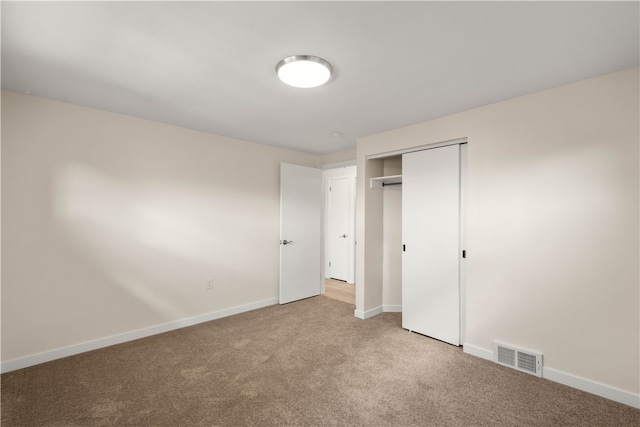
[304,71]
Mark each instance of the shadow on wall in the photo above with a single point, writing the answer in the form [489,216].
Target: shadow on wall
[149,237]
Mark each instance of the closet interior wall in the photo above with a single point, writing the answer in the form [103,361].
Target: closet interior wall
[392,238]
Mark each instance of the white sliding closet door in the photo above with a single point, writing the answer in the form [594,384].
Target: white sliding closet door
[431,238]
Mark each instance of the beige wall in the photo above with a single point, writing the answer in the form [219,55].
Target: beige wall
[392,237]
[552,217]
[331,159]
[112,224]
[369,235]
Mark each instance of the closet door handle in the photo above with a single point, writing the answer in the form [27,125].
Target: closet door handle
[344,236]
[286,242]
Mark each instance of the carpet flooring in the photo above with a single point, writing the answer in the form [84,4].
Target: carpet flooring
[308,363]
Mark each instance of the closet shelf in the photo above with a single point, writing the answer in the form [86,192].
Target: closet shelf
[383,181]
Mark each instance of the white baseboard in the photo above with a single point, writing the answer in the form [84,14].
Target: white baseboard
[592,387]
[477,351]
[369,313]
[47,356]
[573,381]
[375,311]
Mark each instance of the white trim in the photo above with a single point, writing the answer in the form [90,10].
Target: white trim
[570,380]
[392,308]
[47,356]
[477,351]
[369,313]
[418,148]
[592,387]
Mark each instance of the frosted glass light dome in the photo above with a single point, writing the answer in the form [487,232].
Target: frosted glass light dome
[304,71]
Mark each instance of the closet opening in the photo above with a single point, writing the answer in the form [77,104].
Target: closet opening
[422,233]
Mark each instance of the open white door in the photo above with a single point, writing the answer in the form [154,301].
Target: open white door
[300,232]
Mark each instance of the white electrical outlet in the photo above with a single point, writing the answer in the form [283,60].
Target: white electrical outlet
[209,284]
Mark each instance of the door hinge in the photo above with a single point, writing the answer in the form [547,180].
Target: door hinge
[464,254]
[404,248]
[329,263]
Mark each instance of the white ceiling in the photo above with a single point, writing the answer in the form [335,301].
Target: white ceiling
[210,66]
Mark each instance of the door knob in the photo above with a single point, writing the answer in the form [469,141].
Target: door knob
[344,236]
[286,242]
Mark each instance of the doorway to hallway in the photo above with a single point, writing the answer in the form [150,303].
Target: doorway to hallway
[342,291]
[339,223]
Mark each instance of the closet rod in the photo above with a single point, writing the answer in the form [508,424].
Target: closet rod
[384,184]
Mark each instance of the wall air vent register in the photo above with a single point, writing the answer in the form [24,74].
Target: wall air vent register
[522,360]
